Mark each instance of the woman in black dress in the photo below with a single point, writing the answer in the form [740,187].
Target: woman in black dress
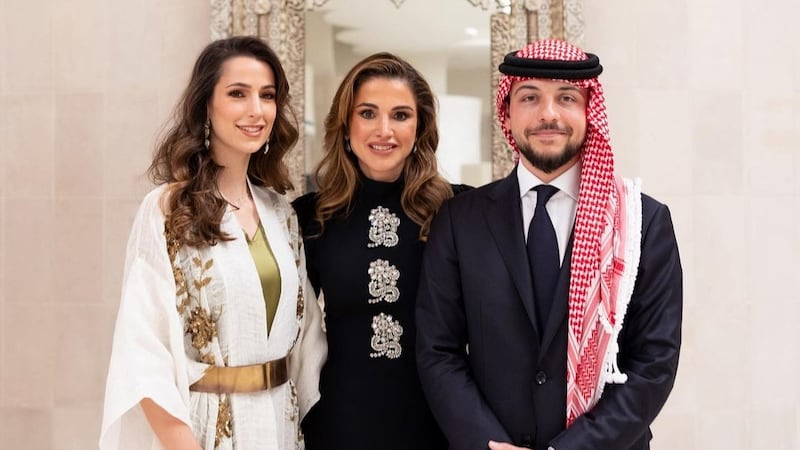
[364,231]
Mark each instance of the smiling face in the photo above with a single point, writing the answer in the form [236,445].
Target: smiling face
[242,109]
[383,127]
[548,121]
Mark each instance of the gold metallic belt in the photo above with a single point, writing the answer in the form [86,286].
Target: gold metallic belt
[254,378]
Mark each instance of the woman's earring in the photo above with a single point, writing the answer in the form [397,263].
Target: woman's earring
[347,146]
[207,133]
[414,150]
[266,147]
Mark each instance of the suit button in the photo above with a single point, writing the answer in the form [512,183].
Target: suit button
[541,377]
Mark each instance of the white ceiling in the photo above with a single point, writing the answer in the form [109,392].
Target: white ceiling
[416,27]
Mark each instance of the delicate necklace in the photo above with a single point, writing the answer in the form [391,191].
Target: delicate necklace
[238,201]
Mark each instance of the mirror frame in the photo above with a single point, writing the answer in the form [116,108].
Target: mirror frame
[282,24]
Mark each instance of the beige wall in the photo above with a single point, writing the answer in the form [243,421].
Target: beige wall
[476,83]
[704,100]
[704,104]
[84,88]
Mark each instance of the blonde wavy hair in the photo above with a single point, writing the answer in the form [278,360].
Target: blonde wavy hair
[337,174]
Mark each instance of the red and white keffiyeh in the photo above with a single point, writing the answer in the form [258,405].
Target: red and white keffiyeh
[600,287]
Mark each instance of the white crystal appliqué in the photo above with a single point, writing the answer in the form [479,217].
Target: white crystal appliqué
[386,337]
[383,282]
[383,228]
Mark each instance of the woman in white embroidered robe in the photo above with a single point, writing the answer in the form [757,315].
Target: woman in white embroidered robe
[192,296]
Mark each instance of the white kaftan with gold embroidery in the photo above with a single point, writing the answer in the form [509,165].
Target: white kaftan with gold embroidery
[186,309]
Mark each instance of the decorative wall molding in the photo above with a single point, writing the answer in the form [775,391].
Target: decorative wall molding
[574,22]
[221,19]
[504,30]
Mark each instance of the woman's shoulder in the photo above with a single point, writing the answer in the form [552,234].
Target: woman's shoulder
[268,195]
[306,201]
[460,188]
[155,194]
[305,206]
[152,204]
[146,238]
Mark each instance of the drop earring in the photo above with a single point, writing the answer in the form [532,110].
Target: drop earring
[207,133]
[347,146]
[266,147]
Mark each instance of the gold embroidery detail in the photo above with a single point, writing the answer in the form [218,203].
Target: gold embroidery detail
[183,291]
[200,325]
[173,243]
[300,302]
[293,412]
[224,420]
[173,246]
[296,242]
[203,281]
[208,358]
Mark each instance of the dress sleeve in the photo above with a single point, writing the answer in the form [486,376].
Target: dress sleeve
[309,353]
[305,207]
[147,357]
[311,348]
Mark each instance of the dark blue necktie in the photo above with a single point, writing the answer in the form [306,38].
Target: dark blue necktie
[543,254]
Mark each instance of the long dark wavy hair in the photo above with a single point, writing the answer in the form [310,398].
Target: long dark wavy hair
[337,174]
[192,203]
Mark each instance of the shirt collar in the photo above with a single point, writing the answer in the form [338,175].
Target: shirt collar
[568,182]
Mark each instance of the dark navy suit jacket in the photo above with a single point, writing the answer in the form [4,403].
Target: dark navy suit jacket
[486,369]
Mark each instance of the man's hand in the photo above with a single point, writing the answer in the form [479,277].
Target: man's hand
[503,446]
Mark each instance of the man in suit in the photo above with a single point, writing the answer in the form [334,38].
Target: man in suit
[550,302]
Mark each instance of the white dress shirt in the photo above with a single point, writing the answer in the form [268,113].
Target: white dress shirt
[561,207]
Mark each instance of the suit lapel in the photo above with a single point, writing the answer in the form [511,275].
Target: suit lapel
[560,301]
[504,216]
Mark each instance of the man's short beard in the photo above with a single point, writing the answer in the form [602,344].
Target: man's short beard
[548,163]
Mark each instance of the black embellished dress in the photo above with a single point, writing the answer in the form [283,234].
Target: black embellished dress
[367,267]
